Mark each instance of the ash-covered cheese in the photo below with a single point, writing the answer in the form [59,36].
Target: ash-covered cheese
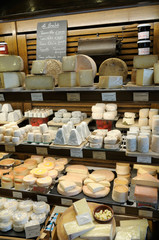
[143,144]
[74,138]
[60,137]
[155,143]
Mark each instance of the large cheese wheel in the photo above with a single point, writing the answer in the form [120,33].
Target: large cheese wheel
[113,67]
[109,175]
[85,62]
[99,194]
[72,192]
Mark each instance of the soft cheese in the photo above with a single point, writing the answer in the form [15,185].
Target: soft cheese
[145,61]
[100,232]
[95,187]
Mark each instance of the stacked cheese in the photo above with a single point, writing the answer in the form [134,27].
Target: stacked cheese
[62,116]
[40,134]
[143,74]
[16,214]
[112,72]
[8,115]
[71,184]
[68,135]
[38,113]
[112,140]
[128,118]
[97,184]
[78,70]
[96,138]
[10,71]
[146,185]
[11,133]
[104,111]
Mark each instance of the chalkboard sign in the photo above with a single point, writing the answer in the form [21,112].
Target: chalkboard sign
[51,40]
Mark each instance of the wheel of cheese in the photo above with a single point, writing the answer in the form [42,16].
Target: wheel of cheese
[49,159]
[85,62]
[120,193]
[44,182]
[102,193]
[39,172]
[29,179]
[39,159]
[20,170]
[8,162]
[109,175]
[113,67]
[39,207]
[120,181]
[54,68]
[53,173]
[5,227]
[63,161]
[59,167]
[47,165]
[77,169]
[26,205]
[20,217]
[70,193]
[122,168]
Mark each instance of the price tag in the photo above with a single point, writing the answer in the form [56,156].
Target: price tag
[32,231]
[140,96]
[66,202]
[17,195]
[83,218]
[145,213]
[109,97]
[37,97]
[9,148]
[118,209]
[2,98]
[76,153]
[99,155]
[144,159]
[73,97]
[42,198]
[41,151]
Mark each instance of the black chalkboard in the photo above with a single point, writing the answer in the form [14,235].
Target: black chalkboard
[51,40]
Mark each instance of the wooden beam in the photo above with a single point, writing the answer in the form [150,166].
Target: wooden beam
[22,50]
[156,39]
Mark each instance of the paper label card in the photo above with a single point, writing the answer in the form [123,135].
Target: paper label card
[2,98]
[141,96]
[42,198]
[17,195]
[109,97]
[99,155]
[83,218]
[32,231]
[144,159]
[37,97]
[66,202]
[76,153]
[73,97]
[9,148]
[145,213]
[41,151]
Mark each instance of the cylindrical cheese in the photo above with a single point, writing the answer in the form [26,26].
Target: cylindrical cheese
[144,112]
[131,143]
[109,115]
[153,112]
[111,107]
[155,124]
[97,115]
[120,193]
[143,144]
[120,181]
[143,122]
[122,168]
[96,109]
[155,143]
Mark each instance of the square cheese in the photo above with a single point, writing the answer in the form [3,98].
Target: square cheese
[144,77]
[68,63]
[67,185]
[110,81]
[67,79]
[100,232]
[95,187]
[73,230]
[146,194]
[86,78]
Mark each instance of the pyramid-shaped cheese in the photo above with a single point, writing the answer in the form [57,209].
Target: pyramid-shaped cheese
[13,117]
[85,129]
[80,130]
[7,108]
[60,138]
[145,180]
[4,116]
[66,132]
[75,138]
[19,112]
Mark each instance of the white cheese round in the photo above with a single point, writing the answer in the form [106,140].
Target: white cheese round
[153,112]
[144,112]
[97,109]
[131,143]
[143,144]
[111,107]
[97,115]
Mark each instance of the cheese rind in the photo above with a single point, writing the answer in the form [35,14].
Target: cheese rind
[110,81]
[67,185]
[68,63]
[11,79]
[67,79]
[156,73]
[146,194]
[146,61]
[144,77]
[39,82]
[145,180]
[11,63]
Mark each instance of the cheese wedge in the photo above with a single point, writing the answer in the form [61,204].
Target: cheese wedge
[110,81]
[67,185]
[82,207]
[143,170]
[105,183]
[67,79]
[133,230]
[145,180]
[95,187]
[88,180]
[96,177]
[11,79]
[73,230]
[146,194]
[100,232]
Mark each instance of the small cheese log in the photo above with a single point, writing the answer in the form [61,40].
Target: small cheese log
[143,144]
[86,78]
[110,81]
[11,63]
[39,82]
[131,143]
[146,194]
[67,79]
[156,73]
[146,61]
[144,112]
[143,122]
[113,67]
[144,77]
[145,180]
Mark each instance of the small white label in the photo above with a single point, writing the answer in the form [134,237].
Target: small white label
[83,218]
[2,98]
[17,195]
[109,97]
[73,97]
[2,49]
[41,151]
[76,153]
[143,51]
[99,155]
[145,213]
[42,198]
[140,96]
[66,202]
[143,35]
[37,97]
[144,159]
[32,231]
[9,148]
[118,209]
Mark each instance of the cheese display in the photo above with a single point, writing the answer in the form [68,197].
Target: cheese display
[97,194]
[110,82]
[11,79]
[107,112]
[39,82]
[84,62]
[38,113]
[67,79]
[155,143]
[113,67]
[72,188]
[64,117]
[120,193]
[144,77]
[11,63]
[146,61]
[109,175]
